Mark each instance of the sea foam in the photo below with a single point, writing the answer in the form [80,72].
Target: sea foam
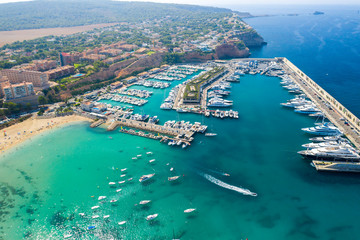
[228,186]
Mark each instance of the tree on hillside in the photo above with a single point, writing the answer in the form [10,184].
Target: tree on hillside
[42,100]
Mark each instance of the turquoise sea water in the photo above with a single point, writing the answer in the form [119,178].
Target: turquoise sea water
[48,181]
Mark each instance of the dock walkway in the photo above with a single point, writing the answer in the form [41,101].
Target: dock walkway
[331,109]
[97,123]
[150,127]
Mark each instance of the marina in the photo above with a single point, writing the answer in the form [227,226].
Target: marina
[212,88]
[134,153]
[242,179]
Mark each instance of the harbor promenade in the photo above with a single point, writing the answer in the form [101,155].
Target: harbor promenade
[179,97]
[332,109]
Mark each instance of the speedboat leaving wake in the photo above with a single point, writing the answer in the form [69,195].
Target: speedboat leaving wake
[218,172]
[228,186]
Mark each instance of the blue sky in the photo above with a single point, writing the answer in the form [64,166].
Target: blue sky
[239,2]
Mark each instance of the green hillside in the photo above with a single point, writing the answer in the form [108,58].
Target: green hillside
[46,14]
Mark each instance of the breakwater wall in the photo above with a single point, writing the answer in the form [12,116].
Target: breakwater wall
[349,116]
[333,110]
[150,127]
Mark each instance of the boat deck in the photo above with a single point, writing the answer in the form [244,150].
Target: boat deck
[336,166]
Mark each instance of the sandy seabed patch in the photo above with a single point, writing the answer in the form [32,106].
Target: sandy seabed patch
[20,132]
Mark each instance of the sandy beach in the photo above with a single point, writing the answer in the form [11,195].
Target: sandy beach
[20,132]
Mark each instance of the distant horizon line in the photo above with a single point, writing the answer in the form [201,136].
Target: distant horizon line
[209,4]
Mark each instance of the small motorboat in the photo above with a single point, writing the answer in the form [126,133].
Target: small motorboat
[226,174]
[130,179]
[122,222]
[144,202]
[101,197]
[118,190]
[173,178]
[123,175]
[190,210]
[134,158]
[112,183]
[152,217]
[95,216]
[106,216]
[121,182]
[113,201]
[95,207]
[139,155]
[123,169]
[149,153]
[171,169]
[81,214]
[210,134]
[152,160]
[144,178]
[67,236]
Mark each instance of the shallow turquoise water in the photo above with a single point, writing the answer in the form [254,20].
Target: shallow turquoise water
[47,181]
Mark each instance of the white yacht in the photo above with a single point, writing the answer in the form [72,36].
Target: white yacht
[144,202]
[220,99]
[144,178]
[326,139]
[166,106]
[297,102]
[173,178]
[317,114]
[210,134]
[151,217]
[332,153]
[307,109]
[190,210]
[218,103]
[325,129]
[325,144]
[291,86]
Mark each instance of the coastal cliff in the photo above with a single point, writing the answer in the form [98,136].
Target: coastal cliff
[231,50]
[251,38]
[195,56]
[222,51]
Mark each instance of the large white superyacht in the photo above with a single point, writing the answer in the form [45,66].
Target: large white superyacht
[332,153]
[325,129]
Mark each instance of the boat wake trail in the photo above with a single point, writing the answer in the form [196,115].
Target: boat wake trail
[228,186]
[218,172]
